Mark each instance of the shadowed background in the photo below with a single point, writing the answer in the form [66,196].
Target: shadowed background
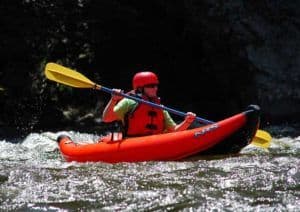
[212,57]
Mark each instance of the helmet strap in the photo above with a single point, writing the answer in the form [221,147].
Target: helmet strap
[139,90]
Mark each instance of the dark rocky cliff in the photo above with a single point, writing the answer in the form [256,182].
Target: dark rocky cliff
[213,57]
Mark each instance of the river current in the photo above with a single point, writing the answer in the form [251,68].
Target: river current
[35,177]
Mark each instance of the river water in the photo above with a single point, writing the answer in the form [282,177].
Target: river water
[34,177]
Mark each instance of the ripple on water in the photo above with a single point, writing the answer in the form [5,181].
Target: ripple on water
[33,176]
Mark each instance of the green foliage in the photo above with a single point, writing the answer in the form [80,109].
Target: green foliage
[201,46]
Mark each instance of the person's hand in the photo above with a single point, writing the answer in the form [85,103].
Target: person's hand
[115,96]
[190,117]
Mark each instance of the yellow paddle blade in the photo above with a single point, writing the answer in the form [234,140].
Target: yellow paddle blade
[262,139]
[67,76]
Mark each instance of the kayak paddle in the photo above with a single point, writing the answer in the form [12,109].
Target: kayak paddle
[61,74]
[262,139]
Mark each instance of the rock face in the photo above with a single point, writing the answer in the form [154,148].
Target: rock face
[271,33]
[262,39]
[213,57]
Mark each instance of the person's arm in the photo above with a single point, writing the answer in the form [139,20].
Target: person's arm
[108,114]
[189,118]
[171,125]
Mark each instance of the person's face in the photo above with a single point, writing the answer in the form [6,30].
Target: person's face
[151,90]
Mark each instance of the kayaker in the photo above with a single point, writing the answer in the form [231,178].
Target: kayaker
[141,119]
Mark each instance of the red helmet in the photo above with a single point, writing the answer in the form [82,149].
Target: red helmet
[141,79]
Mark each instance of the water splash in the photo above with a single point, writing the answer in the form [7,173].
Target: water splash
[34,176]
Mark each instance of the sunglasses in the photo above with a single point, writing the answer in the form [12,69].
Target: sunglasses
[151,86]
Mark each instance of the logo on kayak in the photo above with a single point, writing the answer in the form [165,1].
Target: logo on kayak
[206,130]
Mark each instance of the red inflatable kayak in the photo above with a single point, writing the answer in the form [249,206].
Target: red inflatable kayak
[227,136]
